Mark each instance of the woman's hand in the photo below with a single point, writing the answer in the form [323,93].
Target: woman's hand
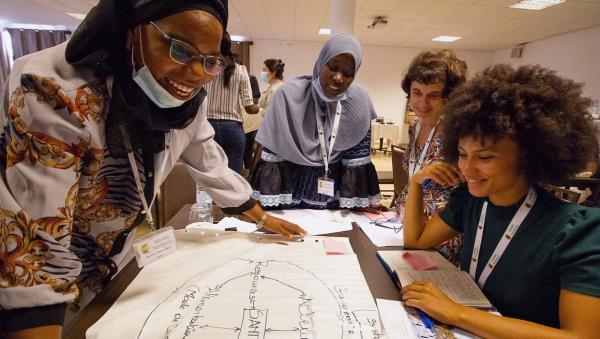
[425,296]
[282,227]
[440,172]
[271,223]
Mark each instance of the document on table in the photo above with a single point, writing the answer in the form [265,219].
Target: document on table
[317,222]
[394,319]
[457,284]
[240,225]
[400,322]
[226,224]
[237,285]
[380,236]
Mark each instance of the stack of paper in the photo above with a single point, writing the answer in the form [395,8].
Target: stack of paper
[387,234]
[400,321]
[226,224]
[317,222]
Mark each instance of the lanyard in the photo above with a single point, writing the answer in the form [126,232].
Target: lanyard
[413,165]
[514,225]
[336,125]
[136,175]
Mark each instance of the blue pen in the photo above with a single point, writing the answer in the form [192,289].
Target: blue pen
[426,320]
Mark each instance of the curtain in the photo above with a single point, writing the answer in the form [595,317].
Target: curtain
[5,58]
[25,41]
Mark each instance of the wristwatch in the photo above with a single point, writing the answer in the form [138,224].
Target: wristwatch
[261,221]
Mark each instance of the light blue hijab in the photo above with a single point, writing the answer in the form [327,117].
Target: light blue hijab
[290,128]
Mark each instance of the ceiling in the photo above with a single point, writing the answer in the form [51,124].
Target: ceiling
[485,25]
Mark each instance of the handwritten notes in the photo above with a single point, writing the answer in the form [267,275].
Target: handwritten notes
[457,284]
[236,285]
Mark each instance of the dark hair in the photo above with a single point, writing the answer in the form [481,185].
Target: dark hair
[430,67]
[275,66]
[540,111]
[229,57]
[228,72]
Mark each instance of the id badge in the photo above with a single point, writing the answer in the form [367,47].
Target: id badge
[325,186]
[154,245]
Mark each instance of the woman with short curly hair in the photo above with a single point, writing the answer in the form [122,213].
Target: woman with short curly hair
[430,79]
[507,131]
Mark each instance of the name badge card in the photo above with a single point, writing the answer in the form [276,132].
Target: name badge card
[154,246]
[325,187]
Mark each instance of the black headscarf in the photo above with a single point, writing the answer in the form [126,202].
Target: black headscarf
[99,44]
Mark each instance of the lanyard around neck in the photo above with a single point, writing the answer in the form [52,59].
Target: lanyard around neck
[512,228]
[413,164]
[336,124]
[136,175]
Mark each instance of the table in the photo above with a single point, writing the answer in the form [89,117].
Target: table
[388,131]
[379,282]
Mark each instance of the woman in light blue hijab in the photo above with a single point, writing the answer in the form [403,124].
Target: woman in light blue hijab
[292,171]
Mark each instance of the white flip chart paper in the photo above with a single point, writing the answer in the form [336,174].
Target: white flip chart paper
[236,285]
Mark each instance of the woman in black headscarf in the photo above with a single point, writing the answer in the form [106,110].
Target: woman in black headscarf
[90,129]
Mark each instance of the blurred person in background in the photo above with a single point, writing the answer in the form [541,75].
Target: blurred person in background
[225,93]
[271,74]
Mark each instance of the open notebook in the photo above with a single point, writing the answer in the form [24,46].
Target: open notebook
[457,284]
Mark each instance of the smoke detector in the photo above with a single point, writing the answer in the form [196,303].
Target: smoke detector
[378,22]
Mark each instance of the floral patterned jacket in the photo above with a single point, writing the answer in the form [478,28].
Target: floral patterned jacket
[62,198]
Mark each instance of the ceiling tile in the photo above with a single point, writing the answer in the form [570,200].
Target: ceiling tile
[484,24]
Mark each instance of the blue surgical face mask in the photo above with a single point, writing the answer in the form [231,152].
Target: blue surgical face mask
[264,76]
[153,90]
[317,86]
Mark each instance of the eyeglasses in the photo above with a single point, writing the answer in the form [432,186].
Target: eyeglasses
[183,53]
[391,223]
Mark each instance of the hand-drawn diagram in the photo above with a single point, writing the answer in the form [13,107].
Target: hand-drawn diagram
[260,298]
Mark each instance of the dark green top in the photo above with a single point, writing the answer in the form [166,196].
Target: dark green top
[557,247]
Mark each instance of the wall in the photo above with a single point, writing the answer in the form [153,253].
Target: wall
[574,55]
[381,71]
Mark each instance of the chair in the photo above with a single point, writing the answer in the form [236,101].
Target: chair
[178,189]
[563,193]
[255,158]
[399,174]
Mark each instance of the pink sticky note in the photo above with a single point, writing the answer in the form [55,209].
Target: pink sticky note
[333,246]
[418,262]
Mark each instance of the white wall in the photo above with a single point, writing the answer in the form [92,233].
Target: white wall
[574,55]
[381,71]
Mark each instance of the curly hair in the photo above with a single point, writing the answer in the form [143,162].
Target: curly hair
[275,66]
[431,67]
[543,113]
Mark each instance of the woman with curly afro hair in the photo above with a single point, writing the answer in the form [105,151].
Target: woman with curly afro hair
[507,131]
